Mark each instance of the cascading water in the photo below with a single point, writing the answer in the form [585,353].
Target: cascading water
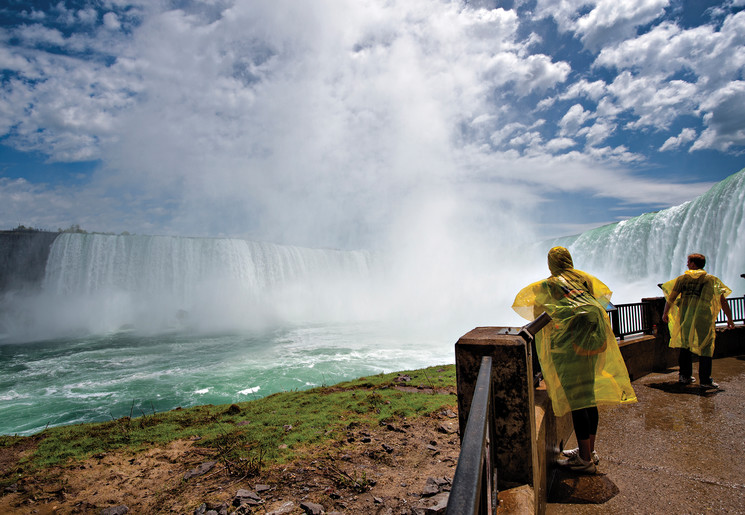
[638,253]
[159,322]
[100,283]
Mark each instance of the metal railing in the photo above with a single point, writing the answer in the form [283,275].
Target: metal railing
[474,489]
[627,319]
[737,305]
[635,318]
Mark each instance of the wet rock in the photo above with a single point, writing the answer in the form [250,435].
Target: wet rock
[200,470]
[447,428]
[115,510]
[312,508]
[435,485]
[209,508]
[432,505]
[283,510]
[430,488]
[249,497]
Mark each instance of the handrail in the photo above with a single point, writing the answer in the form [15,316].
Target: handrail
[529,330]
[474,470]
[737,306]
[634,318]
[474,489]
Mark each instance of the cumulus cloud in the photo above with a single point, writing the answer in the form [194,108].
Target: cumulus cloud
[725,109]
[574,119]
[319,123]
[601,22]
[707,59]
[686,136]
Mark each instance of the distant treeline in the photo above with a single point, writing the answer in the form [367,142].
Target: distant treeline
[74,228]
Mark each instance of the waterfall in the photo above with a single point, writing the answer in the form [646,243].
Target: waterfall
[652,248]
[151,265]
[97,283]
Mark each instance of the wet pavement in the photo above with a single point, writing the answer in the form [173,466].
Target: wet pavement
[680,449]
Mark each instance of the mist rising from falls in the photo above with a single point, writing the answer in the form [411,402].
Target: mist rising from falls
[437,285]
[634,255]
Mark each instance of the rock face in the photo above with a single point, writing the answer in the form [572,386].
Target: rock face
[23,258]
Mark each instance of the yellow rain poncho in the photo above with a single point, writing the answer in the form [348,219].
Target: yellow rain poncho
[580,360]
[693,313]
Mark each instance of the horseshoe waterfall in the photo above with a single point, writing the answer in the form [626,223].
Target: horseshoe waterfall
[93,326]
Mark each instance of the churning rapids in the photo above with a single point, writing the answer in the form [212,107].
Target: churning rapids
[121,325]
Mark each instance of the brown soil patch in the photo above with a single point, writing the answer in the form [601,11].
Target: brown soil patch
[371,470]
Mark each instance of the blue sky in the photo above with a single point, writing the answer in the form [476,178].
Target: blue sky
[340,123]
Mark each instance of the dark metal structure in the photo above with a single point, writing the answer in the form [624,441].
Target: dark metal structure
[474,490]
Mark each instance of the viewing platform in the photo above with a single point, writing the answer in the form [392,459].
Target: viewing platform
[679,449]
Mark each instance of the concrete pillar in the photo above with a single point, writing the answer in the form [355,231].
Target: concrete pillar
[664,356]
[513,398]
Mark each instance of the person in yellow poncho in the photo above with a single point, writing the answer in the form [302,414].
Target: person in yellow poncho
[693,301]
[580,360]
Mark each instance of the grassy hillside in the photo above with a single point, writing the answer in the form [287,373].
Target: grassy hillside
[246,436]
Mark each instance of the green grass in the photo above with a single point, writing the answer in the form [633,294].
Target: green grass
[248,435]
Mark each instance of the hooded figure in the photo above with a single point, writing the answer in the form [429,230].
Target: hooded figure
[692,303]
[580,360]
[694,311]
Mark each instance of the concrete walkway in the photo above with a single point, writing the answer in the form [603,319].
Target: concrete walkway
[679,450]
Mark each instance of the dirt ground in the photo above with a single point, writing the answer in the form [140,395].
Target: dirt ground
[393,469]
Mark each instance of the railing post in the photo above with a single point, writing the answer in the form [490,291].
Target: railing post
[512,387]
[663,355]
[615,321]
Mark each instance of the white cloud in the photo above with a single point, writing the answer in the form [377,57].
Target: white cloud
[111,21]
[317,122]
[574,118]
[597,132]
[710,61]
[725,115]
[686,136]
[559,144]
[584,89]
[605,22]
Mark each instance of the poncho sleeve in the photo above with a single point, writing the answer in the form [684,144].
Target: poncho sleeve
[526,302]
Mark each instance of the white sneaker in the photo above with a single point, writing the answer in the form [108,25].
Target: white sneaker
[571,453]
[577,464]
